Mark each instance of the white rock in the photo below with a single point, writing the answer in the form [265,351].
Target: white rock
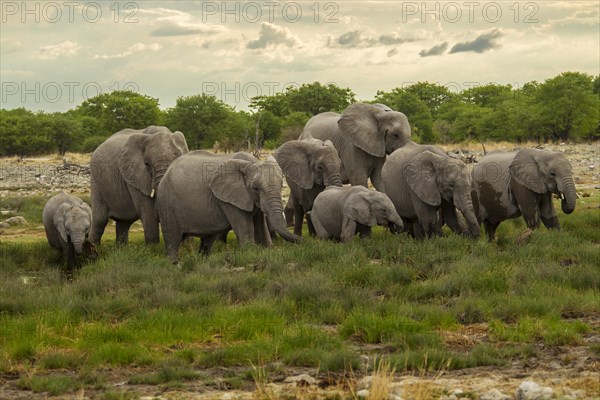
[13,221]
[362,394]
[494,394]
[365,383]
[301,380]
[529,390]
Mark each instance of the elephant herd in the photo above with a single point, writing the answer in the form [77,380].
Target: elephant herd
[150,175]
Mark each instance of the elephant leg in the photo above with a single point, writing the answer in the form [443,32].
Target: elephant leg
[490,229]
[427,216]
[173,238]
[529,204]
[311,227]
[547,213]
[348,229]
[123,231]
[262,234]
[298,218]
[206,243]
[417,230]
[450,218]
[242,223]
[69,254]
[364,231]
[99,221]
[319,228]
[288,211]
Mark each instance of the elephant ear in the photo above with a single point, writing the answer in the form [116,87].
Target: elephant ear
[180,142]
[228,184]
[358,208]
[132,164]
[59,220]
[294,159]
[420,175]
[525,171]
[359,122]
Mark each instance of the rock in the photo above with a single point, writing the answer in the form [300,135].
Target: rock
[362,394]
[529,390]
[575,394]
[364,383]
[301,380]
[14,221]
[494,394]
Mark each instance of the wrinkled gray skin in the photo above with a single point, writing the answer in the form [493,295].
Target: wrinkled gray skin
[309,166]
[339,212]
[206,196]
[125,172]
[507,185]
[421,181]
[363,134]
[67,220]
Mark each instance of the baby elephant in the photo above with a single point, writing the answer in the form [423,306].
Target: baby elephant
[341,212]
[67,221]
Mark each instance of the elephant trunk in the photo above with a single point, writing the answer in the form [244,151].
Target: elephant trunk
[78,241]
[274,212]
[160,169]
[333,179]
[465,204]
[566,187]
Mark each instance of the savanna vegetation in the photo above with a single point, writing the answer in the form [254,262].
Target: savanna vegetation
[565,107]
[253,313]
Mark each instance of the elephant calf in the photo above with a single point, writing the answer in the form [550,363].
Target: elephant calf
[309,166]
[341,212]
[507,185]
[67,221]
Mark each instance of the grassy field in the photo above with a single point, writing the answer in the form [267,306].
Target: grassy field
[258,312]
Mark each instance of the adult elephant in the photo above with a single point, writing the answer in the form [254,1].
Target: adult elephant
[363,134]
[421,181]
[207,196]
[309,166]
[509,184]
[125,172]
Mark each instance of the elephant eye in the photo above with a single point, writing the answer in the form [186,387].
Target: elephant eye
[553,173]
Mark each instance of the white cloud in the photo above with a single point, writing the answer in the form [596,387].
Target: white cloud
[272,35]
[52,52]
[136,48]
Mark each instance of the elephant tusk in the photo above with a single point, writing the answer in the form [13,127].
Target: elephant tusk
[152,193]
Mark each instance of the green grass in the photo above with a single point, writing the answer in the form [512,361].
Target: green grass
[314,305]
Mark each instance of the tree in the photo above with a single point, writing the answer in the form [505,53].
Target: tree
[489,95]
[311,98]
[278,104]
[314,98]
[432,94]
[63,130]
[202,119]
[415,109]
[122,109]
[22,133]
[569,107]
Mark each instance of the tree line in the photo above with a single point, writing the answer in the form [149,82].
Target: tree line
[563,108]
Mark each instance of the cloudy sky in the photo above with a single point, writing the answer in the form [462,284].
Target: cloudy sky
[55,54]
